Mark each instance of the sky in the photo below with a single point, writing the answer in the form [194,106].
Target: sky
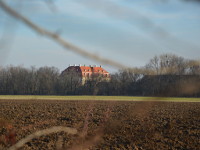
[130,32]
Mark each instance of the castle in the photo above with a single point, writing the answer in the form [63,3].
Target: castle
[85,73]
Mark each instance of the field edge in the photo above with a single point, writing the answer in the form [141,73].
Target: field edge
[99,98]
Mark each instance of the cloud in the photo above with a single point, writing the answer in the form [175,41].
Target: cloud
[142,22]
[131,16]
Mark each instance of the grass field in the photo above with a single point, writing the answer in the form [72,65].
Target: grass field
[103,98]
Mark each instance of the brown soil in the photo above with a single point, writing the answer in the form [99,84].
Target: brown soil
[102,125]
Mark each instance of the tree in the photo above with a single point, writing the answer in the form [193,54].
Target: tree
[46,77]
[166,64]
[70,81]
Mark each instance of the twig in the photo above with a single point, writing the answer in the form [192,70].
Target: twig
[42,133]
[58,39]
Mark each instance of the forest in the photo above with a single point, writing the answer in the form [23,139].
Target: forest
[164,75]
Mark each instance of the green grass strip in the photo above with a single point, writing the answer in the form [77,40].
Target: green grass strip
[103,98]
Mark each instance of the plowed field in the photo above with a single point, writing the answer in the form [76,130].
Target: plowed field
[101,124]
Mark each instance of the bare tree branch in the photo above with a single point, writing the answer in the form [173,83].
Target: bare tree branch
[41,133]
[58,39]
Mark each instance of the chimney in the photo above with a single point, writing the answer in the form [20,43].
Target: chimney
[100,66]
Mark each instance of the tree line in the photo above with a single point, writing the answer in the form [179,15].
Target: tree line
[164,75]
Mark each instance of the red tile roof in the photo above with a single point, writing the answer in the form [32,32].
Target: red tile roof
[93,69]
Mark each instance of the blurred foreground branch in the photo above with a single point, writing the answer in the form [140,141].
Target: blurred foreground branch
[58,39]
[41,133]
